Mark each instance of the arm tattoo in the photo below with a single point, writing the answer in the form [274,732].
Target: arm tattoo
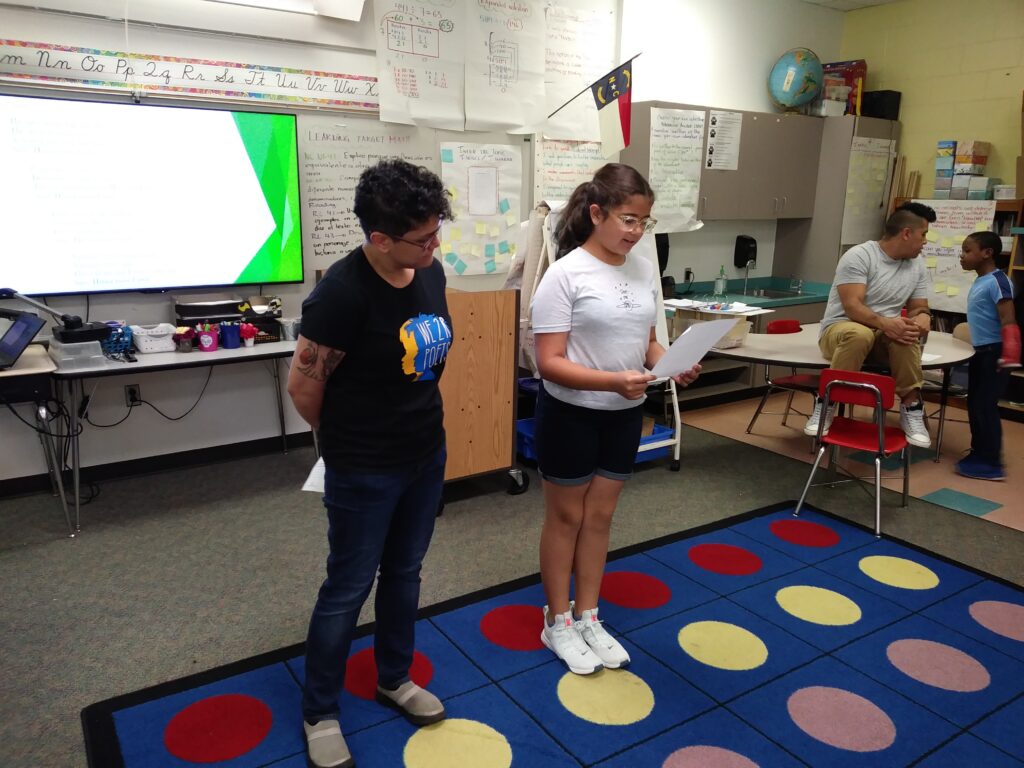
[316,365]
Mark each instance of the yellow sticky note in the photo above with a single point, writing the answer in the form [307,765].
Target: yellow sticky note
[446,247]
[982,226]
[494,231]
[940,287]
[481,228]
[511,219]
[929,262]
[456,234]
[453,192]
[952,291]
[931,237]
[947,242]
[512,248]
[958,239]
[476,251]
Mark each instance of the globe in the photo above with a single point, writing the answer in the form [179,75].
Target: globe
[796,78]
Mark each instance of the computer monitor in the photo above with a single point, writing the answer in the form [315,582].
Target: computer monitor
[18,336]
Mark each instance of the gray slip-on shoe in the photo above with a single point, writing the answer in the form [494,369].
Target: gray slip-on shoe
[418,706]
[326,747]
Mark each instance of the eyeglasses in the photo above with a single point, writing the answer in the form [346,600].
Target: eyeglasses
[427,244]
[632,222]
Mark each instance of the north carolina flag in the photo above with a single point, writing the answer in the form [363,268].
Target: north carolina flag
[611,94]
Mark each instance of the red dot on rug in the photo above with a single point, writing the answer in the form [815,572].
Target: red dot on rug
[634,590]
[218,728]
[361,673]
[804,533]
[725,559]
[515,627]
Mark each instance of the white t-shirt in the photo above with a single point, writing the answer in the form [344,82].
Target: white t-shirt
[608,312]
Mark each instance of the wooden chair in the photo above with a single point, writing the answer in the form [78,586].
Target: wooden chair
[793,383]
[878,393]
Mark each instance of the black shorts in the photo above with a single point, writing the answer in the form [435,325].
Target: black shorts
[575,443]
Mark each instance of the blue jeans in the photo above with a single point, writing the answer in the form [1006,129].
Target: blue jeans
[375,520]
[985,385]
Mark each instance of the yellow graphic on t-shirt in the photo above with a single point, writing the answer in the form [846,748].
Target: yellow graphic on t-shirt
[426,339]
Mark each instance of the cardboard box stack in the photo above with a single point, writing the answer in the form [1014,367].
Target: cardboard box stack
[969,179]
[945,157]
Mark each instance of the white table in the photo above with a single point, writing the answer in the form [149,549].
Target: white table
[800,350]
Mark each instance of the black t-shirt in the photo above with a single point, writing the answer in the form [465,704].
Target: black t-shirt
[382,406]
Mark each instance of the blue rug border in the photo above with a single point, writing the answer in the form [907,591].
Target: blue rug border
[102,746]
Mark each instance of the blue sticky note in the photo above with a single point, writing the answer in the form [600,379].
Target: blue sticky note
[460,266]
[489,266]
[489,250]
[503,246]
[503,205]
[446,156]
[451,257]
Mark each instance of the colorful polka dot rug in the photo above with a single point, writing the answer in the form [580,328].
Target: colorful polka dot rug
[761,640]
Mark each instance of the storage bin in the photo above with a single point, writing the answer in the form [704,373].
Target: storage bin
[153,338]
[76,356]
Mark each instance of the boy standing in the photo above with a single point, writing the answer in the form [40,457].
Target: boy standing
[996,339]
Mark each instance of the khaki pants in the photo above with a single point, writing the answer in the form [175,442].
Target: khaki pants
[849,345]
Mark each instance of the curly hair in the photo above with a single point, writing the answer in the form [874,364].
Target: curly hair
[612,185]
[395,196]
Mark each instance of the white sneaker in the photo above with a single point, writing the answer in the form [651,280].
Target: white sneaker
[811,427]
[608,649]
[912,424]
[565,642]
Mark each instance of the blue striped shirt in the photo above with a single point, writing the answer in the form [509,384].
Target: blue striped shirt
[982,315]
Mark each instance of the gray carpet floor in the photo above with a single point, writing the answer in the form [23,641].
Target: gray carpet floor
[181,571]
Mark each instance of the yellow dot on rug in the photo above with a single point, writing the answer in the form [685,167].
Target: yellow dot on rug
[608,697]
[899,572]
[456,742]
[723,645]
[818,605]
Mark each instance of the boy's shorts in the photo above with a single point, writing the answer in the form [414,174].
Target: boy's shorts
[575,443]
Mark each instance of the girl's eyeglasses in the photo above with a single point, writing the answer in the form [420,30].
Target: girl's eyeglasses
[632,222]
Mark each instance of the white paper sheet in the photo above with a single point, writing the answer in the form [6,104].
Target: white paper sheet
[724,131]
[677,140]
[315,481]
[691,346]
[578,49]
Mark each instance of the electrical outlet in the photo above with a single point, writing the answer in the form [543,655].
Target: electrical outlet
[688,274]
[132,395]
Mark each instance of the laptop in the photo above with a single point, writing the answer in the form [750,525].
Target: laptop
[18,336]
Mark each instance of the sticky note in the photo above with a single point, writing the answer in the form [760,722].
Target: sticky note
[940,287]
[476,251]
[446,247]
[453,193]
[947,242]
[489,250]
[931,237]
[456,233]
[451,258]
[494,231]
[446,156]
[952,291]
[503,246]
[929,262]
[512,248]
[481,228]
[489,266]
[982,226]
[503,205]
[460,266]
[959,239]
[511,219]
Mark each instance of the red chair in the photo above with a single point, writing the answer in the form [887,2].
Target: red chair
[795,382]
[877,392]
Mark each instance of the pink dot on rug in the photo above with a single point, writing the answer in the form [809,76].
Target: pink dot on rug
[515,627]
[634,590]
[725,559]
[703,756]
[805,533]
[938,665]
[218,728]
[1006,619]
[361,673]
[841,719]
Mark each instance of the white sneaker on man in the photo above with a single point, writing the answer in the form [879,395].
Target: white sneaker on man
[608,649]
[912,424]
[565,642]
[811,427]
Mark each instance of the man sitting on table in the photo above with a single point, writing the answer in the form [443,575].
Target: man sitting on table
[875,281]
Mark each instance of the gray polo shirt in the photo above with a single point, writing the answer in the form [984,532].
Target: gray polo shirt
[891,283]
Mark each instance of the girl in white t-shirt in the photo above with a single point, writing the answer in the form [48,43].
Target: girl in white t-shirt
[594,320]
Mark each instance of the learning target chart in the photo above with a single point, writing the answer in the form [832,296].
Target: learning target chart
[955,220]
[484,181]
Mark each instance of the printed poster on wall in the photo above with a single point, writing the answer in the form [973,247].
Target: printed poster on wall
[485,183]
[724,130]
[578,50]
[420,56]
[505,66]
[677,142]
[955,219]
[561,166]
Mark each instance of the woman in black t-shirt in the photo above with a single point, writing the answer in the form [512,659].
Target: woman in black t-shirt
[375,336]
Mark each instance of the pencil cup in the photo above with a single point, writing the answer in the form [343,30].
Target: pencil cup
[208,340]
[250,342]
[229,336]
[183,345]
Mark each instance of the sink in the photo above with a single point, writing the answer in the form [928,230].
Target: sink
[773,293]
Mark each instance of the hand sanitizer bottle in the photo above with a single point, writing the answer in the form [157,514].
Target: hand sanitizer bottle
[721,282]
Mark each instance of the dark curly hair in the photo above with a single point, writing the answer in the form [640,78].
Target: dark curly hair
[395,196]
[987,241]
[612,185]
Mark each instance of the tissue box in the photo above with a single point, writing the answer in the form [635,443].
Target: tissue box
[968,169]
[944,163]
[962,182]
[941,194]
[945,149]
[1004,192]
[943,182]
[958,193]
[153,338]
[972,147]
